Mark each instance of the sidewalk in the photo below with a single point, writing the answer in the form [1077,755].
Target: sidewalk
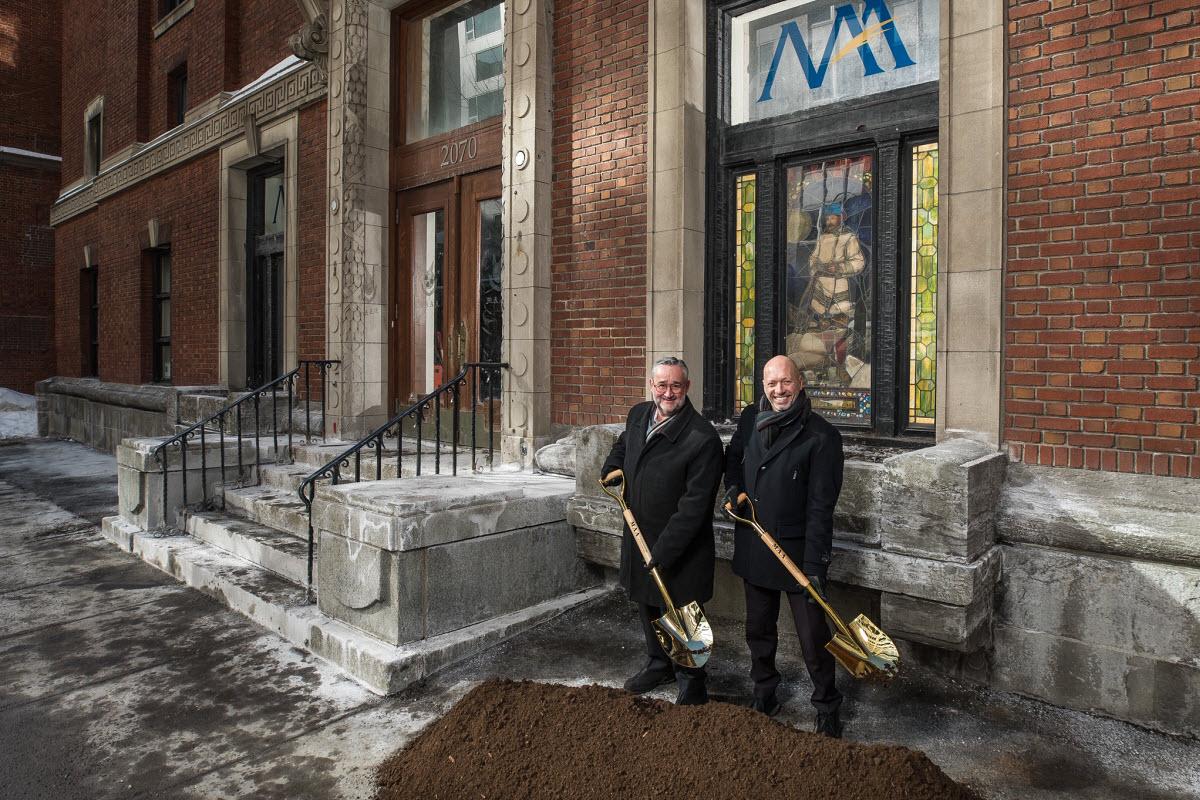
[117,682]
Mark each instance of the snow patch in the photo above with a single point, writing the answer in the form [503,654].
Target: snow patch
[18,415]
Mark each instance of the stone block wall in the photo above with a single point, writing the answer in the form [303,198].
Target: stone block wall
[927,572]
[444,552]
[1102,306]
[1099,609]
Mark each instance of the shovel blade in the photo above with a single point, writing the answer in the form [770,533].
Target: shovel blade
[685,635]
[873,656]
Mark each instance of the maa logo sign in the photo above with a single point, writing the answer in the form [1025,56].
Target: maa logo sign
[792,56]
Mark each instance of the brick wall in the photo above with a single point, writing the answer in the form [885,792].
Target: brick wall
[114,53]
[598,266]
[1102,305]
[186,201]
[311,239]
[30,60]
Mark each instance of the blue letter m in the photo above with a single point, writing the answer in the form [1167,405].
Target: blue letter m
[815,75]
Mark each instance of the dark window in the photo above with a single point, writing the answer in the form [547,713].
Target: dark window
[167,6]
[177,95]
[162,315]
[95,142]
[89,322]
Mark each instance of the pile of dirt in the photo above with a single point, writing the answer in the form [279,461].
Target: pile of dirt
[532,740]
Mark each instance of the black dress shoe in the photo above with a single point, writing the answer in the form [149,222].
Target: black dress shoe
[693,688]
[828,724]
[653,675]
[768,705]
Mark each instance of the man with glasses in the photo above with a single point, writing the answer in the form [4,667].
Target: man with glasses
[671,461]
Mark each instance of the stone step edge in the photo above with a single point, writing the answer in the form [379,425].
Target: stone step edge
[212,528]
[378,666]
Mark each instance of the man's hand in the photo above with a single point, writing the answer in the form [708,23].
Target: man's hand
[734,500]
[614,478]
[818,586]
[653,565]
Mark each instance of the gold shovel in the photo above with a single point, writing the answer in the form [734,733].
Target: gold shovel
[684,633]
[861,647]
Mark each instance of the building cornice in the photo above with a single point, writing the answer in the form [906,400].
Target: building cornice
[298,85]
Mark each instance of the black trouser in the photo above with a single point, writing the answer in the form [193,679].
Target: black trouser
[762,616]
[655,650]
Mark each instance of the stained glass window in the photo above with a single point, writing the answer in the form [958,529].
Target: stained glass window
[922,373]
[829,271]
[743,315]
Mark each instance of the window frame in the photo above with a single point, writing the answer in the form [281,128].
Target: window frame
[89,322]
[158,295]
[177,95]
[882,124]
[93,147]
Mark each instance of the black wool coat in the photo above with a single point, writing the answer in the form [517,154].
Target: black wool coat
[670,486]
[794,485]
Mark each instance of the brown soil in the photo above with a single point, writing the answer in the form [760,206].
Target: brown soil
[534,740]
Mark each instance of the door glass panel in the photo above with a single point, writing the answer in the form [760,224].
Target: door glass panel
[830,227]
[491,337]
[428,285]
[459,77]
[274,208]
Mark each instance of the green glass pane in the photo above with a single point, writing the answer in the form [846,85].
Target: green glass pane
[923,282]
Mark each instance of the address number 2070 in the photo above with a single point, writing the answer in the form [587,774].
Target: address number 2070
[457,152]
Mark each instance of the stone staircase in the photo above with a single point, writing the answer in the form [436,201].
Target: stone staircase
[249,548]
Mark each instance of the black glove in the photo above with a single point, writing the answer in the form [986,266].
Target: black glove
[614,478]
[653,565]
[735,499]
[818,584]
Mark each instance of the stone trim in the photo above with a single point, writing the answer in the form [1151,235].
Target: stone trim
[675,196]
[298,86]
[178,13]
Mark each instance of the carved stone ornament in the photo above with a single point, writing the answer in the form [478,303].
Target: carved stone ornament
[311,43]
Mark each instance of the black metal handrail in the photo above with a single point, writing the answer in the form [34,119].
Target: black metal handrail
[199,430]
[332,469]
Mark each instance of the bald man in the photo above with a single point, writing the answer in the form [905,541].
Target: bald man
[788,460]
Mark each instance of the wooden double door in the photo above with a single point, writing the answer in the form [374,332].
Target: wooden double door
[447,285]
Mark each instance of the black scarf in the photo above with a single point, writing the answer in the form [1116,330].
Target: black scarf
[769,423]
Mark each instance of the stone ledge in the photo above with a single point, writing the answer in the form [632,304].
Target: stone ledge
[419,512]
[125,395]
[946,582]
[1136,516]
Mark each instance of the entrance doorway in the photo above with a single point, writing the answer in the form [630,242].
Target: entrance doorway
[266,218]
[447,304]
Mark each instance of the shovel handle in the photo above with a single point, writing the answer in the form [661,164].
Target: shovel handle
[641,541]
[788,564]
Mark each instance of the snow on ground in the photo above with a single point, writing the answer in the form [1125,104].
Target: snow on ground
[18,414]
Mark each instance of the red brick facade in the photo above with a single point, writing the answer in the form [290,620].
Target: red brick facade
[598,316]
[1102,284]
[29,120]
[224,45]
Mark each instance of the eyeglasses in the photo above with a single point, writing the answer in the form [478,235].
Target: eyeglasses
[662,388]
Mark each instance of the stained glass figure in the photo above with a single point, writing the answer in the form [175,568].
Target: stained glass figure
[830,225]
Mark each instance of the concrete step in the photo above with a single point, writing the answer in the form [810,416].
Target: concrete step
[270,506]
[281,606]
[277,551]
